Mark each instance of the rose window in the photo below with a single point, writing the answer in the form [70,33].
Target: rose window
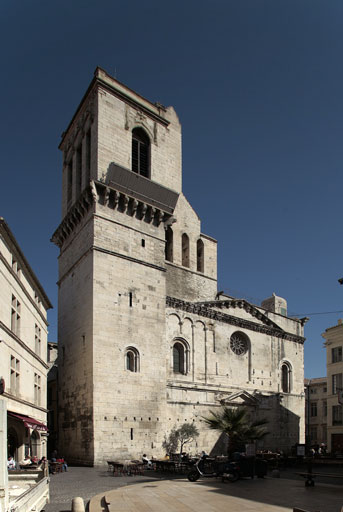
[238,343]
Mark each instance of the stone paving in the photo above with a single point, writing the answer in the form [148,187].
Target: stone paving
[86,483]
[154,493]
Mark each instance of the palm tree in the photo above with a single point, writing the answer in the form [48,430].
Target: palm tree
[235,424]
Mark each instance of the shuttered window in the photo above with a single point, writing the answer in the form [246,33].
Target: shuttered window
[140,152]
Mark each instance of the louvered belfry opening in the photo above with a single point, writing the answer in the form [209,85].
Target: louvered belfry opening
[140,152]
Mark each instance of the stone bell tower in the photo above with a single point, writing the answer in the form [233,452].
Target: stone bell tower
[121,183]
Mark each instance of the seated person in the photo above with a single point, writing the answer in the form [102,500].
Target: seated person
[64,464]
[11,463]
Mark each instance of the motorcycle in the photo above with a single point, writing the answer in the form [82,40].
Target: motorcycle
[212,469]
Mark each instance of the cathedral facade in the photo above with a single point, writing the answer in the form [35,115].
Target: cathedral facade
[146,342]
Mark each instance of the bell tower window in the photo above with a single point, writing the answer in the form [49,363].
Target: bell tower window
[140,152]
[185,250]
[200,256]
[169,244]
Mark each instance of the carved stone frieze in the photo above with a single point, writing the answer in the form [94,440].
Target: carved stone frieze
[205,310]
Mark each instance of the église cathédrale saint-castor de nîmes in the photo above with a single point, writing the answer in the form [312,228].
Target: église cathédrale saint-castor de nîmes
[146,341]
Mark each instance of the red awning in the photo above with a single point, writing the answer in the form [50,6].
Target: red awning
[29,422]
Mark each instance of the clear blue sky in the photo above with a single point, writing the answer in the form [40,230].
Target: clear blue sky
[257,85]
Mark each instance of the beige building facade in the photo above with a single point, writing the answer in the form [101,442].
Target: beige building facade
[23,350]
[334,369]
[146,342]
[316,410]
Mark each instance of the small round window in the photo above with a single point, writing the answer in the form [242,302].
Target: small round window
[239,343]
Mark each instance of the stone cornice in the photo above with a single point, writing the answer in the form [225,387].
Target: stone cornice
[14,275]
[101,193]
[25,402]
[205,310]
[128,203]
[132,102]
[130,258]
[74,216]
[23,344]
[107,83]
[190,271]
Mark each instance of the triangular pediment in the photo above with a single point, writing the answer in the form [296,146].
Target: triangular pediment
[239,398]
[236,312]
[231,306]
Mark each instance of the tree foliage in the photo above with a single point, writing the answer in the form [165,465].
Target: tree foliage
[235,424]
[179,437]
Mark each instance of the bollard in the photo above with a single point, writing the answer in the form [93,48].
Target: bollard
[77,505]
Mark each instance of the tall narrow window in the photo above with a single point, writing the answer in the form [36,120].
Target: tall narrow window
[15,316]
[37,340]
[88,157]
[78,170]
[37,389]
[180,358]
[69,182]
[336,354]
[200,256]
[15,375]
[15,267]
[314,409]
[285,378]
[132,359]
[185,250]
[140,152]
[169,244]
[337,416]
[337,382]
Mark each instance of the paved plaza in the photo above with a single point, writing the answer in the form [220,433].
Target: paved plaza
[158,493]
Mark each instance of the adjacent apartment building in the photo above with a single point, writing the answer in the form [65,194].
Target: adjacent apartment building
[23,350]
[316,411]
[334,370]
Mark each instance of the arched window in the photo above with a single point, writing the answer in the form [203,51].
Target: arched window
[140,152]
[180,358]
[286,378]
[185,250]
[132,359]
[35,444]
[169,244]
[200,256]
